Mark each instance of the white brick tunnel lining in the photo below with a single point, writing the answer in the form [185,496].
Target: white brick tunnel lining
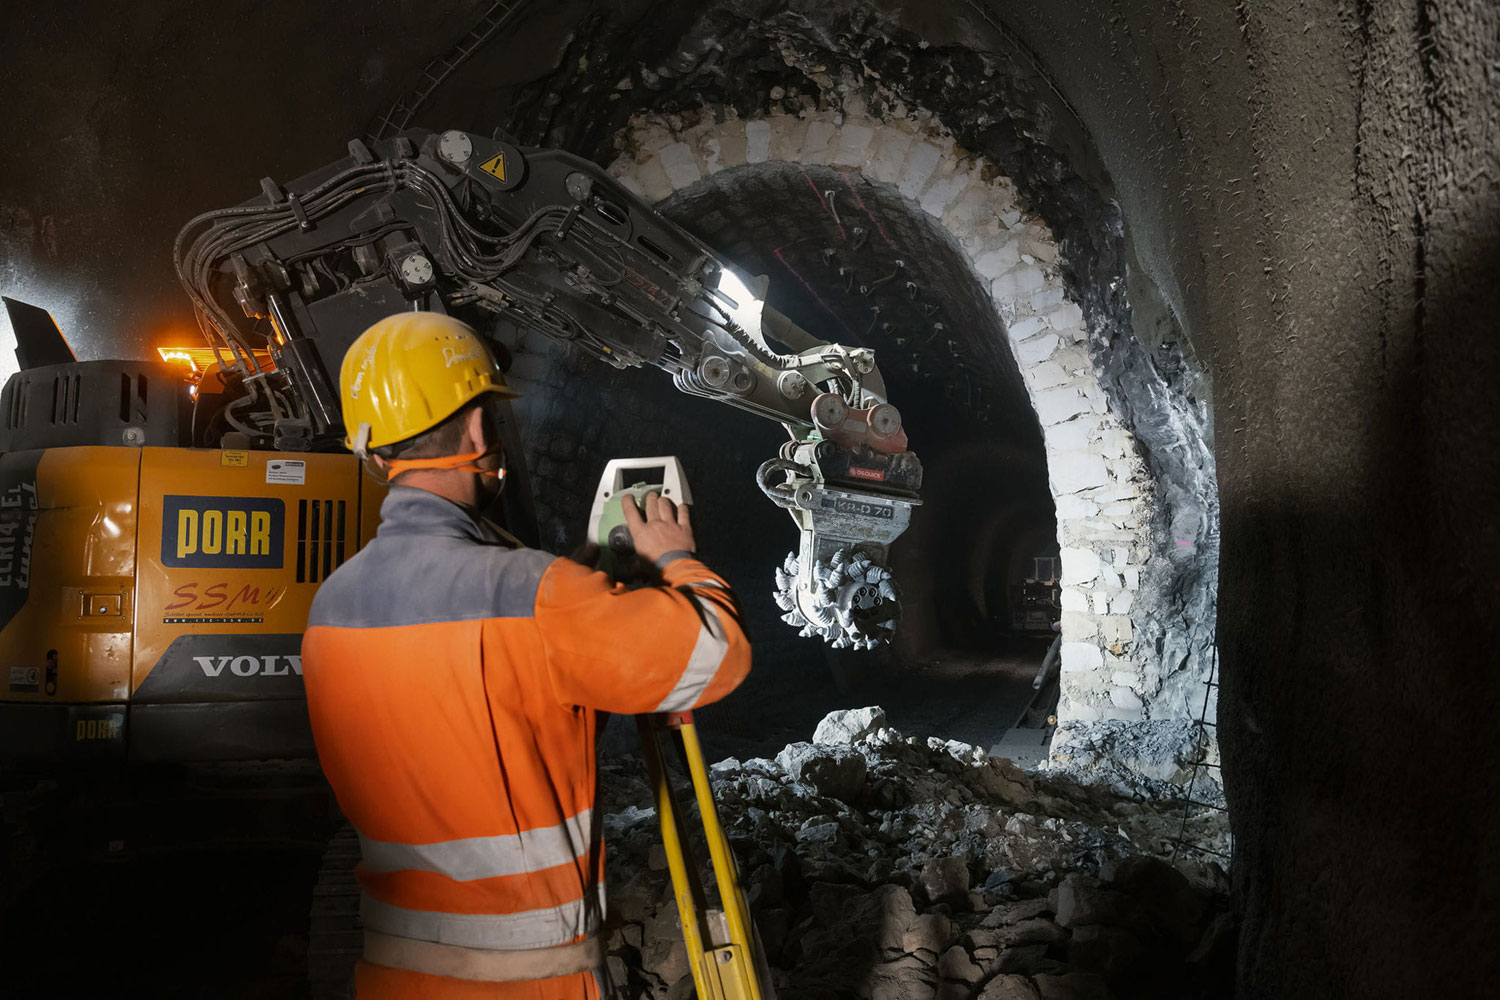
[1099,485]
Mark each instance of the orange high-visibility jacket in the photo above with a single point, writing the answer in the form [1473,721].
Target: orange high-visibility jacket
[452,684]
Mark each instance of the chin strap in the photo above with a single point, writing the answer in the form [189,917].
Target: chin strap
[448,463]
[361,443]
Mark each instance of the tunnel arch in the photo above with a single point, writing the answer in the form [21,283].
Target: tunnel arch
[1101,488]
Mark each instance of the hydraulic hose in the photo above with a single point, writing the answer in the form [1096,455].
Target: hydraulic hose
[779,494]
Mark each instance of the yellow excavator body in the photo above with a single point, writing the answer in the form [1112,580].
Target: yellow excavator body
[152,599]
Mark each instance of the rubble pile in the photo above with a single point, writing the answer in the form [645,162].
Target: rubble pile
[882,867]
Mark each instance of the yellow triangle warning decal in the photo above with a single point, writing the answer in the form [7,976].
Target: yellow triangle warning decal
[495,166]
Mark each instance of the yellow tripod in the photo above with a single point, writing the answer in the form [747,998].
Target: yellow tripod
[721,944]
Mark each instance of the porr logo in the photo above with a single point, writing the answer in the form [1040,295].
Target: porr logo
[109,728]
[232,532]
[275,665]
[222,532]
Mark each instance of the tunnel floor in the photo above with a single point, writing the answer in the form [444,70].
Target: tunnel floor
[973,697]
[169,921]
[969,697]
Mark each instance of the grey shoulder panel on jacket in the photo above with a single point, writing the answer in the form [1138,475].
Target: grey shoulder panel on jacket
[419,580]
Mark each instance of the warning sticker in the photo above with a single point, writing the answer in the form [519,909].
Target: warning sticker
[495,166]
[25,679]
[286,471]
[234,459]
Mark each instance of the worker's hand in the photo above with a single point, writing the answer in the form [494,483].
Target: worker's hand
[665,527]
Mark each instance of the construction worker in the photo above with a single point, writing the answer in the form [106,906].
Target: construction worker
[452,682]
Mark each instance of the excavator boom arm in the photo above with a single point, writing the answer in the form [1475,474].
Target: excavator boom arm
[547,241]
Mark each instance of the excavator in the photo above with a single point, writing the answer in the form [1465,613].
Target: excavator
[161,537]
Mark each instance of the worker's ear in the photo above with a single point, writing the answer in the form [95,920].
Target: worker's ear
[476,430]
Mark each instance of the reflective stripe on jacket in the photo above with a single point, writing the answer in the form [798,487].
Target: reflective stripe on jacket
[451,684]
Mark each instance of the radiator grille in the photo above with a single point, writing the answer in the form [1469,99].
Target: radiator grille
[321,527]
[15,414]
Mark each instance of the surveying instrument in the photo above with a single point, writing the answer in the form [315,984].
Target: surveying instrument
[722,947]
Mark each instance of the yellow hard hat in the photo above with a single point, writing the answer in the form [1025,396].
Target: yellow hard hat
[410,372]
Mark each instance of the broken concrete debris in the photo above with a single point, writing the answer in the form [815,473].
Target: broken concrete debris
[886,867]
[850,726]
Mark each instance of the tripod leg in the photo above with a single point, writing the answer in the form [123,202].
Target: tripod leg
[739,962]
[686,887]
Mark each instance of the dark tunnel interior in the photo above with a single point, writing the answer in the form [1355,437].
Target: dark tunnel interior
[941,346]
[1185,307]
[881,276]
